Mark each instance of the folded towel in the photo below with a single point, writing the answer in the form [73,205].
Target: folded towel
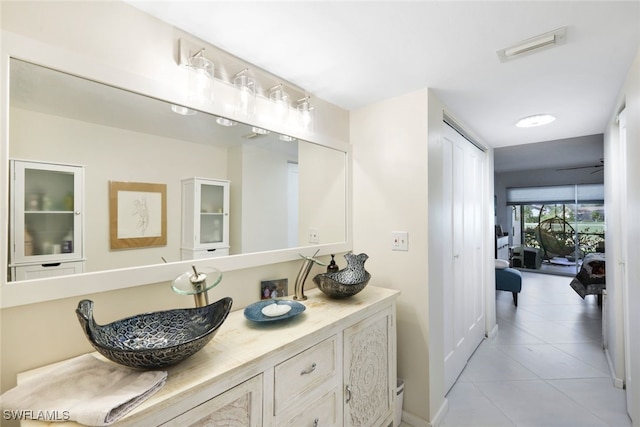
[83,389]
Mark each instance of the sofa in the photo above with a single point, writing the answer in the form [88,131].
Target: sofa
[508,279]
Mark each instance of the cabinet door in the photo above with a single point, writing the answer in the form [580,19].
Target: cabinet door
[46,212]
[368,371]
[240,406]
[214,213]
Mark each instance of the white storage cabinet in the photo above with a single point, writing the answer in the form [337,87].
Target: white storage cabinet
[205,218]
[46,220]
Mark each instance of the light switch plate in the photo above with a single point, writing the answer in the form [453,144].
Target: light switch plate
[399,241]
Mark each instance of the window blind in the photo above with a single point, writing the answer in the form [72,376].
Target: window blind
[580,193]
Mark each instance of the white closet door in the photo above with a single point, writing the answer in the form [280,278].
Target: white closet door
[463,178]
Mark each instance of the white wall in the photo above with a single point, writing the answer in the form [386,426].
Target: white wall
[97,36]
[264,199]
[629,98]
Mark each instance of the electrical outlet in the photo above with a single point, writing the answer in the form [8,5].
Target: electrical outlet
[399,241]
[313,235]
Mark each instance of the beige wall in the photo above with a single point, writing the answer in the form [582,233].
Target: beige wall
[389,170]
[397,172]
[112,34]
[112,154]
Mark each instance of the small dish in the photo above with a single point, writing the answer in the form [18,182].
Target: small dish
[275,310]
[254,313]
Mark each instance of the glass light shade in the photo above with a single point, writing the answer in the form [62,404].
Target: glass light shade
[201,74]
[183,111]
[246,86]
[222,121]
[280,99]
[305,111]
[286,138]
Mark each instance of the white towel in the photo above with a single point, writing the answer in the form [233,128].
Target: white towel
[83,389]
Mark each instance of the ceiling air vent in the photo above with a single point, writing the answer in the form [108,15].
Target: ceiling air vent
[533,44]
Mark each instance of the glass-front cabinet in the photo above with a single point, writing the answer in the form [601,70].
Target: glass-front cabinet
[205,218]
[46,221]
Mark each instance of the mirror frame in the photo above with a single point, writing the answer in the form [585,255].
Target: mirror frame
[14,294]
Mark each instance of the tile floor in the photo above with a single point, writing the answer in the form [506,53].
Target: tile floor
[545,367]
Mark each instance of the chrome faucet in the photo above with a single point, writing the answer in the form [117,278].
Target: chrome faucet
[302,275]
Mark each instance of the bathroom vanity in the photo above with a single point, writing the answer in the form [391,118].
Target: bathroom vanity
[332,365]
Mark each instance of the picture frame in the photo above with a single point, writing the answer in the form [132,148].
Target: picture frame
[271,289]
[137,215]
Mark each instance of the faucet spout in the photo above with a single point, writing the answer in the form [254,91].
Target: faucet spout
[302,276]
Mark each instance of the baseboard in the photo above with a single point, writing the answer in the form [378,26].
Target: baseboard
[617,382]
[415,421]
[493,332]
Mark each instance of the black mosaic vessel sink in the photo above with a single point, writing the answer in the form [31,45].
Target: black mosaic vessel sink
[346,282]
[154,340]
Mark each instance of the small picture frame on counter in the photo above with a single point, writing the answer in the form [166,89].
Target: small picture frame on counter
[271,289]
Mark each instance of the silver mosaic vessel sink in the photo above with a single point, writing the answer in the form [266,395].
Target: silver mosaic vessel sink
[154,340]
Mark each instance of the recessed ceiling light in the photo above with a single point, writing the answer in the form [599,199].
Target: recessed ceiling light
[287,138]
[535,120]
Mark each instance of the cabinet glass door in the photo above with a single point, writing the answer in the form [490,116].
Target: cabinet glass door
[47,221]
[211,213]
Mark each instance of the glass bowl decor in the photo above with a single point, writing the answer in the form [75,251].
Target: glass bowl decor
[346,282]
[154,340]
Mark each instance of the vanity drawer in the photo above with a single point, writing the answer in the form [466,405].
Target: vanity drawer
[320,413]
[304,372]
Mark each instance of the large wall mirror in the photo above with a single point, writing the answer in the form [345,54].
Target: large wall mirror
[282,193]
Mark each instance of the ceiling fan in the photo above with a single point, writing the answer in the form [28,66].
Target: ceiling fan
[598,168]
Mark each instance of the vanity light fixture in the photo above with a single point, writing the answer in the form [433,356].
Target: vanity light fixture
[280,98]
[286,138]
[535,120]
[246,86]
[201,77]
[222,121]
[306,114]
[183,111]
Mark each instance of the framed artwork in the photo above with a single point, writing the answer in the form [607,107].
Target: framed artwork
[274,288]
[137,215]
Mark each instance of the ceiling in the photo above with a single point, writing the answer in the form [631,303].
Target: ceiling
[360,52]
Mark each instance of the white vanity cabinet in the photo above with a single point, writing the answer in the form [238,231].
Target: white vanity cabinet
[332,365]
[46,216]
[205,218]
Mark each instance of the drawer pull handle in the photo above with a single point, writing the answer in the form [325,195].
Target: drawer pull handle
[316,422]
[348,390]
[309,370]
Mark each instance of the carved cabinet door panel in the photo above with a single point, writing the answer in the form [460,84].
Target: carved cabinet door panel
[368,371]
[240,406]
